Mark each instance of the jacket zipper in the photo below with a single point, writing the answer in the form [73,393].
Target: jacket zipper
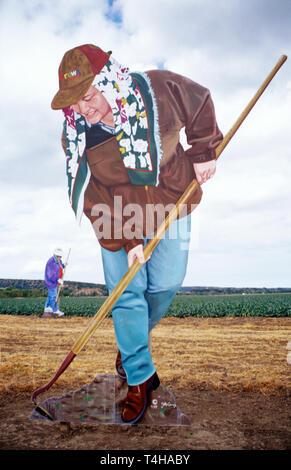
[101,143]
[147,193]
[149,211]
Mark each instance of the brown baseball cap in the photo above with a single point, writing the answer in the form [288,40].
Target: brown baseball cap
[76,73]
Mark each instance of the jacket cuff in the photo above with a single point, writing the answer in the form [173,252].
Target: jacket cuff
[132,244]
[202,157]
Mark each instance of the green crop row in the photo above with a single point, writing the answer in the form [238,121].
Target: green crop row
[233,305]
[268,305]
[78,306]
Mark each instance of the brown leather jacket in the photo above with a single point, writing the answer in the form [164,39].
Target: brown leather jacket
[181,103]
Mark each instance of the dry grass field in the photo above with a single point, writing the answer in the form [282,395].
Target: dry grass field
[229,375]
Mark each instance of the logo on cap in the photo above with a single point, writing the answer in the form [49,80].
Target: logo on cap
[70,75]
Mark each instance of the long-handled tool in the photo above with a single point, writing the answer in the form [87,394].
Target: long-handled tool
[116,293]
[62,277]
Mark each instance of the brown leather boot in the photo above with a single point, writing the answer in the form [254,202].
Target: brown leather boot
[119,369]
[137,399]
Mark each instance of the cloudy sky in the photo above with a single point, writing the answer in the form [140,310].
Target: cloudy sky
[242,229]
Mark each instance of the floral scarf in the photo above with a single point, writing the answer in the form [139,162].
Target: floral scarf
[134,108]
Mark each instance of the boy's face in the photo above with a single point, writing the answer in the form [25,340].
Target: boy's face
[93,106]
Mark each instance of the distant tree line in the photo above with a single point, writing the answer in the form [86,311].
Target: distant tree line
[10,288]
[13,292]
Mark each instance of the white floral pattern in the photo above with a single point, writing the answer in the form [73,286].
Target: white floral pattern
[131,127]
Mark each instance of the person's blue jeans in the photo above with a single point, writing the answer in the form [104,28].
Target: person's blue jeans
[147,297]
[51,299]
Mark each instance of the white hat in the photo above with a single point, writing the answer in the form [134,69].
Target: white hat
[58,252]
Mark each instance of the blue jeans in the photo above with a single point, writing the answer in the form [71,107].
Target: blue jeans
[51,299]
[147,297]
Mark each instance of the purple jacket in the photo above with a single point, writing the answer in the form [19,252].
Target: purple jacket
[52,273]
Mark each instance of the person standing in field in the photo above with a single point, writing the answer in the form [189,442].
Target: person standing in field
[124,157]
[53,279]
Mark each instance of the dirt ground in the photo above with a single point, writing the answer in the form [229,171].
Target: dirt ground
[229,375]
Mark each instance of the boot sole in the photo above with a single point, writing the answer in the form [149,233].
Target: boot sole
[152,386]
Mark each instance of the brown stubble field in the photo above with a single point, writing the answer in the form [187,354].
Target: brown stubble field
[229,375]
